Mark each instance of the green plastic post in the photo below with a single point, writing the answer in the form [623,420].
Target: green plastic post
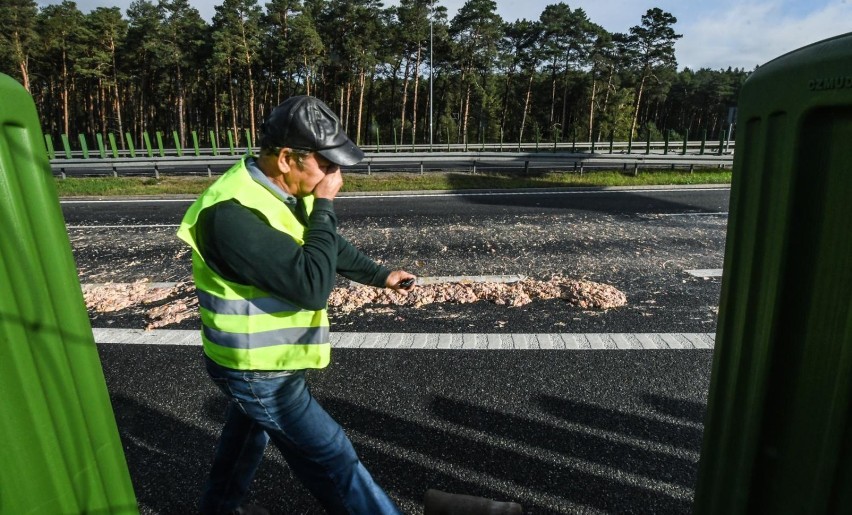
[61,451]
[213,145]
[778,431]
[101,149]
[195,143]
[48,143]
[66,146]
[178,146]
[83,146]
[630,143]
[231,141]
[113,145]
[611,141]
[160,146]
[147,141]
[685,140]
[722,138]
[130,146]
[648,142]
[703,141]
[668,135]
[248,142]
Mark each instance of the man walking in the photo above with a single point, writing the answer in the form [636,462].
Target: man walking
[265,257]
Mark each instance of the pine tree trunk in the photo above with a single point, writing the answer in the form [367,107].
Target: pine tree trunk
[636,106]
[362,84]
[526,108]
[65,113]
[466,112]
[414,102]
[606,97]
[404,100]
[592,105]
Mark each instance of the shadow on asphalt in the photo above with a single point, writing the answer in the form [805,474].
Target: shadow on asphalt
[491,460]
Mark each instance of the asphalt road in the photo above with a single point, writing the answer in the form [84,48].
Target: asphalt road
[576,431]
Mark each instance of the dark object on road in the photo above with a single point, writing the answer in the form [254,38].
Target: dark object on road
[437,502]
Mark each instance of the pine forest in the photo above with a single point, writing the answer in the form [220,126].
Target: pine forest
[160,66]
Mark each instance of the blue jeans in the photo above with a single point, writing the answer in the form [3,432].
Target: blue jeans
[279,406]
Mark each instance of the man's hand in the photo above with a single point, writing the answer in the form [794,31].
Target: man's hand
[329,185]
[397,280]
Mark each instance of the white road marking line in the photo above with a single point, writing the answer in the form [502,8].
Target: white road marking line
[705,272]
[717,213]
[448,341]
[128,226]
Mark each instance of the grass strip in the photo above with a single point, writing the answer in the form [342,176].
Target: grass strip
[390,181]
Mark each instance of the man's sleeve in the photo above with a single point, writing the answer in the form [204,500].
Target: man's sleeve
[238,244]
[355,265]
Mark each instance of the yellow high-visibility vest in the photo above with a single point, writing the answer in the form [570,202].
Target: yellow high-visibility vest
[244,327]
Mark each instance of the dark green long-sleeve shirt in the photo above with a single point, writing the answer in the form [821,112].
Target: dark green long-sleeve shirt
[239,244]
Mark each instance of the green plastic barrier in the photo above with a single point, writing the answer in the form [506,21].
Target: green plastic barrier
[778,434]
[83,145]
[101,149]
[60,450]
[48,143]
[129,139]
[213,143]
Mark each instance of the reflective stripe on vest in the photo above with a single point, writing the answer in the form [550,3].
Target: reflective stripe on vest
[257,306]
[244,327]
[291,336]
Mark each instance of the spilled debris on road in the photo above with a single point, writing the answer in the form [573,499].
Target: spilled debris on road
[167,304]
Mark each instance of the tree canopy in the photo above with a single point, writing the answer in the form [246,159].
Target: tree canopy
[160,66]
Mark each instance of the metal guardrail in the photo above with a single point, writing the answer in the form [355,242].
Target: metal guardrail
[405,161]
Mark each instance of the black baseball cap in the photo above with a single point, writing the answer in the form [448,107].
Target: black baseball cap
[306,123]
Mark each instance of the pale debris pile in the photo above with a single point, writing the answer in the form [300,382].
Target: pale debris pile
[178,302]
[110,297]
[585,294]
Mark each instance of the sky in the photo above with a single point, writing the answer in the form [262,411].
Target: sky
[717,34]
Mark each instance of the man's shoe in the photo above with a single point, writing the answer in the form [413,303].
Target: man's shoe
[437,502]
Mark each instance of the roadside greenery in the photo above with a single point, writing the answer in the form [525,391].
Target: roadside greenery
[135,186]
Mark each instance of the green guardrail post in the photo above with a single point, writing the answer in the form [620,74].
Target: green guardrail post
[648,142]
[685,140]
[703,141]
[66,146]
[178,146]
[722,137]
[195,143]
[611,140]
[592,145]
[147,140]
[778,429]
[574,142]
[113,145]
[213,143]
[667,138]
[48,143]
[630,143]
[160,147]
[130,147]
[231,141]
[99,138]
[248,142]
[83,146]
[61,451]
[395,149]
